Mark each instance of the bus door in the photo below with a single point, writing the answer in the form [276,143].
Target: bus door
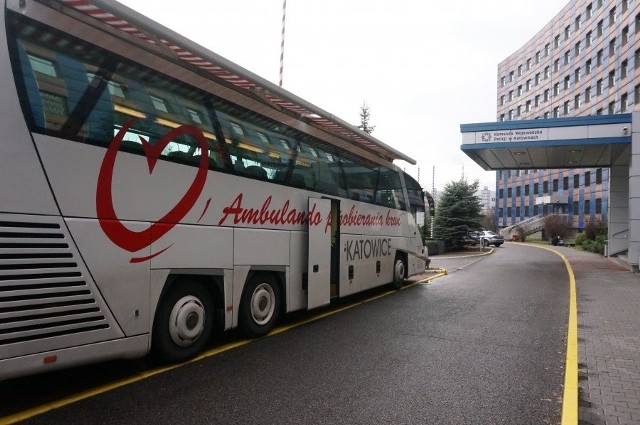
[319,253]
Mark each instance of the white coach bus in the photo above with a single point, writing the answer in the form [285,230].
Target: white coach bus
[152,190]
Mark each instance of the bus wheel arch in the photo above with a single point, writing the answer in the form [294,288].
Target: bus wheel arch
[260,304]
[184,320]
[399,270]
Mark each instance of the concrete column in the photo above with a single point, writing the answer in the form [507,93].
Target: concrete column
[618,209]
[634,194]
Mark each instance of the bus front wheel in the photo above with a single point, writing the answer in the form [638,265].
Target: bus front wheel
[183,323]
[260,305]
[399,271]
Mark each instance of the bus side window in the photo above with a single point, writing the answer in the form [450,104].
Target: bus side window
[36,117]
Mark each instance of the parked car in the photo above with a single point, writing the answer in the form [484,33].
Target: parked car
[487,237]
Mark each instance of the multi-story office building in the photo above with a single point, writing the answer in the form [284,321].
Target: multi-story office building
[585,61]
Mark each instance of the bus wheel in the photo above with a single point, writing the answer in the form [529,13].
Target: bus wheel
[183,323]
[399,271]
[260,305]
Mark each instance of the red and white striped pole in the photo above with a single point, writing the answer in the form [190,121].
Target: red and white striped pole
[284,14]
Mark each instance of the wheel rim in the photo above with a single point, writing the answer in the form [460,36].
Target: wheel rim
[187,321]
[263,304]
[399,270]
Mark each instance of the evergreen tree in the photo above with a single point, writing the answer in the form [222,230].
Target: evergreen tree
[365,115]
[459,211]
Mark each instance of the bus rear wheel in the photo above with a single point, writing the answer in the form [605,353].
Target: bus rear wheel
[399,271]
[183,323]
[260,305]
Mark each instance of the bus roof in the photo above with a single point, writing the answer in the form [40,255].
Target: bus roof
[133,24]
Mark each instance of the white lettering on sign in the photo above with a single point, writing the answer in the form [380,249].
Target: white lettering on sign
[528,135]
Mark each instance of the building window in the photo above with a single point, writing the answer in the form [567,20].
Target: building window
[577,75]
[612,48]
[527,107]
[625,36]
[556,42]
[588,39]
[535,188]
[510,114]
[519,110]
[528,64]
[624,67]
[520,90]
[546,115]
[555,185]
[587,67]
[565,183]
[625,5]
[623,102]
[638,22]
[556,89]
[503,117]
[519,70]
[547,49]
[612,108]
[509,192]
[599,56]
[577,23]
[577,49]
[636,58]
[587,95]
[565,109]
[502,100]
[556,112]
[636,94]
[599,176]
[599,111]
[511,76]
[536,101]
[546,96]
[576,102]
[510,95]
[587,207]
[612,78]
[599,87]
[503,81]
[612,16]
[567,32]
[526,190]
[600,27]
[598,205]
[587,178]
[556,65]
[576,181]
[501,193]
[575,208]
[537,79]
[528,85]
[567,82]
[526,210]
[517,190]
[546,71]
[589,10]
[537,57]
[567,57]
[545,186]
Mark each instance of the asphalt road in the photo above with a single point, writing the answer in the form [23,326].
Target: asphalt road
[484,344]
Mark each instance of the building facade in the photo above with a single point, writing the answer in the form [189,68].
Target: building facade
[585,61]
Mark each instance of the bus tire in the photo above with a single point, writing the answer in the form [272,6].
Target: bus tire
[399,271]
[260,305]
[184,322]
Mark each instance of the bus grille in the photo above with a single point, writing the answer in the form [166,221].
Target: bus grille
[43,290]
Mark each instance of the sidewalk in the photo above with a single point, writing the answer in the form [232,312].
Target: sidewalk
[608,301]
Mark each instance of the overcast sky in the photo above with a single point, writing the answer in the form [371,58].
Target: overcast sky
[423,67]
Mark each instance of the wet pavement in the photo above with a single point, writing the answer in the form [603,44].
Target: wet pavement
[608,307]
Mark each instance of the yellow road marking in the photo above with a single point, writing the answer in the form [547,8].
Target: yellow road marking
[39,410]
[570,397]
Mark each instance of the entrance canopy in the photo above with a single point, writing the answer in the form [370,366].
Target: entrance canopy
[578,142]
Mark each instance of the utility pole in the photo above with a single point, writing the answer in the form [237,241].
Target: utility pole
[284,14]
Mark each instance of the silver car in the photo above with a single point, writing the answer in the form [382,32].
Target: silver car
[487,237]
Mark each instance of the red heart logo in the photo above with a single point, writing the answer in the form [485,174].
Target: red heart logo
[111,224]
